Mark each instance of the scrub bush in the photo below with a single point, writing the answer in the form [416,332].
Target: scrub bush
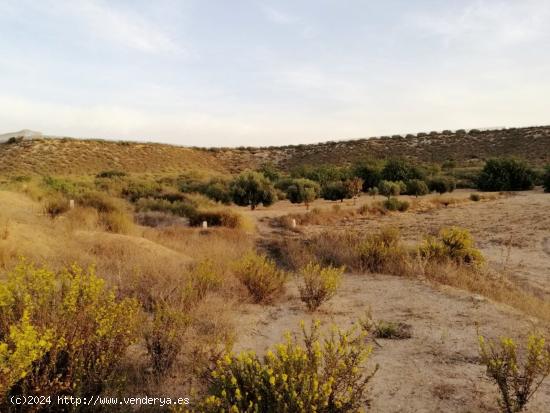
[319,284]
[325,376]
[260,276]
[61,333]
[455,244]
[517,379]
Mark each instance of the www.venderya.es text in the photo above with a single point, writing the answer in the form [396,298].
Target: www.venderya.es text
[97,401]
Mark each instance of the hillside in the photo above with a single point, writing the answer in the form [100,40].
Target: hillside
[71,156]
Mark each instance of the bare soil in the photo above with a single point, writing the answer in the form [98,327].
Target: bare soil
[438,369]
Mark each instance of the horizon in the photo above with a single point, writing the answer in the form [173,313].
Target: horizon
[260,73]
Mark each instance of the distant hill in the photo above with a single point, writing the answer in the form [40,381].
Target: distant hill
[24,134]
[72,156]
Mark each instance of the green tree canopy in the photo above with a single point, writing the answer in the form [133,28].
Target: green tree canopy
[252,188]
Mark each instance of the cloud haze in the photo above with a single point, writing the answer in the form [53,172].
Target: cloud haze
[247,72]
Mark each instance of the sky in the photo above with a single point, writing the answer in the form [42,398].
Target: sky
[260,73]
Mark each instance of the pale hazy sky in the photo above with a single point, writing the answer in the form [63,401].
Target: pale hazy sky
[252,72]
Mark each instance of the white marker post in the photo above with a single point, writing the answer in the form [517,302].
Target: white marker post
[293,223]
[71,203]
[204,224]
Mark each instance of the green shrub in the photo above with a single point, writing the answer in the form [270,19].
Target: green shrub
[442,184]
[252,189]
[112,173]
[180,208]
[452,243]
[260,276]
[389,188]
[100,201]
[516,377]
[546,179]
[400,170]
[392,330]
[335,191]
[319,284]
[136,190]
[475,197]
[506,174]
[373,191]
[61,333]
[302,191]
[416,187]
[394,204]
[370,173]
[316,376]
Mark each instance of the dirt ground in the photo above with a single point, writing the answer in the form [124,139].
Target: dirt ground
[437,370]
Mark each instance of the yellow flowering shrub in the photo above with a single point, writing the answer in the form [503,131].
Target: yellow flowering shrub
[260,276]
[319,284]
[378,252]
[295,377]
[518,376]
[61,333]
[452,243]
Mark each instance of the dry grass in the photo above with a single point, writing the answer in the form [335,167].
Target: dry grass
[384,252]
[77,157]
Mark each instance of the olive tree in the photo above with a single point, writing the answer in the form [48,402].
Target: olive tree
[252,188]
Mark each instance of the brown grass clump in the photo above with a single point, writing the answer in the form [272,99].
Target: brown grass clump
[217,218]
[56,206]
[378,252]
[260,276]
[316,216]
[117,221]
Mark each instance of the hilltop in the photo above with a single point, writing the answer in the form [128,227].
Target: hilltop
[39,155]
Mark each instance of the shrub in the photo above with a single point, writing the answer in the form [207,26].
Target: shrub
[163,338]
[475,197]
[442,184]
[136,190]
[56,206]
[389,188]
[335,191]
[252,189]
[61,333]
[113,173]
[394,204]
[392,330]
[373,191]
[260,276]
[302,191]
[179,208]
[319,284]
[221,218]
[400,170]
[353,187]
[454,244]
[100,201]
[316,376]
[378,252]
[416,187]
[506,174]
[517,379]
[116,221]
[546,179]
[217,189]
[369,172]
